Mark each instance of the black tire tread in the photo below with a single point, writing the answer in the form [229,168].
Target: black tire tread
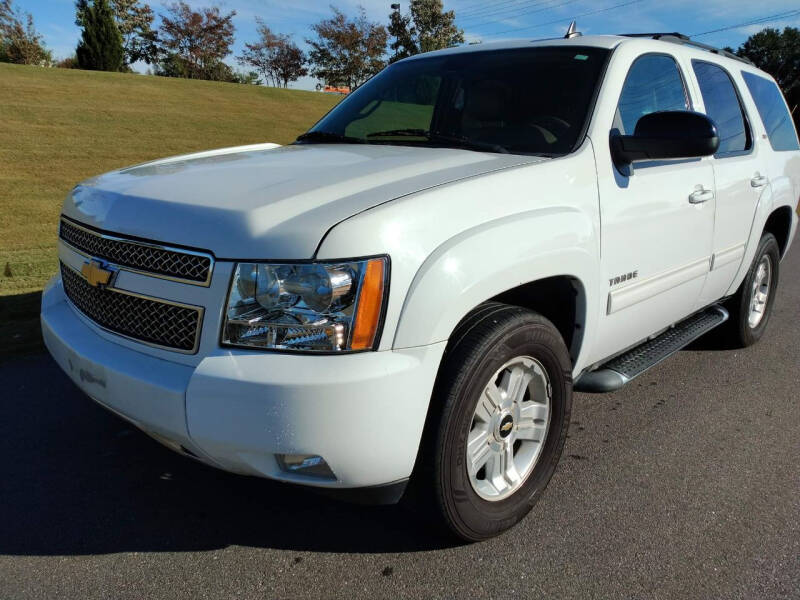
[470,341]
[738,331]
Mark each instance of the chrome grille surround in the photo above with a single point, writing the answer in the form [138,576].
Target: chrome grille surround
[152,321]
[176,264]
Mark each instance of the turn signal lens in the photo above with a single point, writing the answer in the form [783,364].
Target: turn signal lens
[370,303]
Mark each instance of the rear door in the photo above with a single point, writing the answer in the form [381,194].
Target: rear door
[739,171]
[657,219]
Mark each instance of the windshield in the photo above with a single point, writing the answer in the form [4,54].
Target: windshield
[523,101]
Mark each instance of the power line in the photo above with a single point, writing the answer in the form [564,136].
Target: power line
[514,12]
[497,7]
[791,13]
[564,19]
[526,13]
[484,8]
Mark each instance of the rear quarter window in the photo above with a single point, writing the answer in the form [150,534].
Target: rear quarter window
[773,112]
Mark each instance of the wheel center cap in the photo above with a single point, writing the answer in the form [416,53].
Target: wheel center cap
[505,427]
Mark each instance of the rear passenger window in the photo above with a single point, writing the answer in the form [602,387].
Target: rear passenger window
[653,84]
[773,112]
[723,107]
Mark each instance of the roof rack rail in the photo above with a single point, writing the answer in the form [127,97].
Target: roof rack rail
[680,38]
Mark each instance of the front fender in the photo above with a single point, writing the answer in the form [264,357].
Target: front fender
[492,258]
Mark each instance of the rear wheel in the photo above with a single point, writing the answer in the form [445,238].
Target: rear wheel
[751,307]
[505,393]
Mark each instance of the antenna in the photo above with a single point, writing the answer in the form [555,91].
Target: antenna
[572,31]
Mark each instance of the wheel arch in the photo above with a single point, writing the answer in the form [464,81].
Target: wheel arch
[774,214]
[551,267]
[561,299]
[779,224]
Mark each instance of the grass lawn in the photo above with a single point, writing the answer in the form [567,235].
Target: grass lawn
[58,127]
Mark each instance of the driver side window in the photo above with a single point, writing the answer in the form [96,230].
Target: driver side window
[653,84]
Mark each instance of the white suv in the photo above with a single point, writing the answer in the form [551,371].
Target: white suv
[418,283]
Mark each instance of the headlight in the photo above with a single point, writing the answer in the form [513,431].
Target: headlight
[310,307]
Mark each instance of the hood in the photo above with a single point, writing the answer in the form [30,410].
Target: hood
[266,201]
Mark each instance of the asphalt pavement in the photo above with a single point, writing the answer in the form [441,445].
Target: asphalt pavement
[685,484]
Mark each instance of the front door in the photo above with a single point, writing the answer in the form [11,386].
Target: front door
[657,220]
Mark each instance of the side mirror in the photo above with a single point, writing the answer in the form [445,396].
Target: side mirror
[666,134]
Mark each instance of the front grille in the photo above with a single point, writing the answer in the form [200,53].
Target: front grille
[156,322]
[172,263]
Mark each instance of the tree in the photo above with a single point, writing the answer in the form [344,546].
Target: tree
[198,40]
[276,57]
[347,52]
[249,78]
[100,48]
[778,53]
[428,27]
[289,63]
[71,62]
[135,23]
[436,29]
[261,54]
[404,34]
[20,43]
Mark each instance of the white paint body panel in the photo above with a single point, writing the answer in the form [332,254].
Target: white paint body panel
[445,264]
[237,409]
[265,202]
[459,227]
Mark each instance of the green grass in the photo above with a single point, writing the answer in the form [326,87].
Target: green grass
[58,127]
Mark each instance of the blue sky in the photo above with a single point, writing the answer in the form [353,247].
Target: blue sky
[480,19]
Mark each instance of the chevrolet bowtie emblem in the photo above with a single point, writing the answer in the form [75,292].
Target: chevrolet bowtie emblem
[96,274]
[507,426]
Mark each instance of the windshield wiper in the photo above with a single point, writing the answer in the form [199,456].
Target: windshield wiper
[465,142]
[329,137]
[441,138]
[401,133]
[435,137]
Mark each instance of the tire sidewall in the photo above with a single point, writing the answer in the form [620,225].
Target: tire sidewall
[750,335]
[475,517]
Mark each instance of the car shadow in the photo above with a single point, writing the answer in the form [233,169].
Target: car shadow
[717,340]
[77,480]
[20,333]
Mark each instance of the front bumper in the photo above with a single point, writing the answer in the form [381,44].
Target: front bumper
[238,409]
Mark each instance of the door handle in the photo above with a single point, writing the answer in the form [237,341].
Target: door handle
[701,195]
[759,180]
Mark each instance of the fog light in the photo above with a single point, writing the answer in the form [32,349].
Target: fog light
[305,464]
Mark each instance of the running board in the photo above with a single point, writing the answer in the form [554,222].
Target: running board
[627,366]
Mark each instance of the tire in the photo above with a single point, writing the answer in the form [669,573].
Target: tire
[496,336]
[744,327]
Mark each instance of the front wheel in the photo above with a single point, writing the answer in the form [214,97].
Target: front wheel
[506,395]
